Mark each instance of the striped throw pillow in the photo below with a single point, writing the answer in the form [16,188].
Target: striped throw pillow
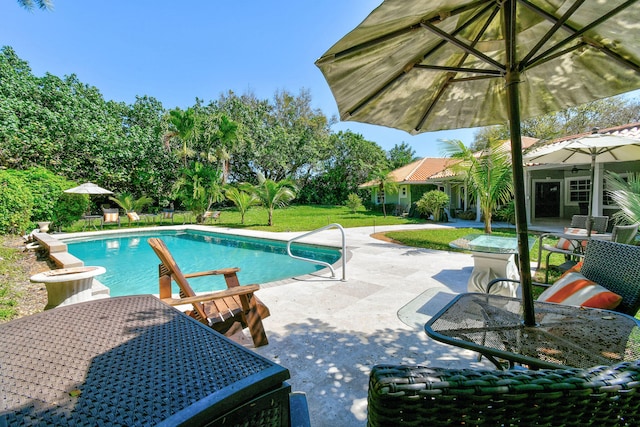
[111,217]
[575,289]
[572,245]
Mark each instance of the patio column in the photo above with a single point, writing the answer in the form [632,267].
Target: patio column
[596,203]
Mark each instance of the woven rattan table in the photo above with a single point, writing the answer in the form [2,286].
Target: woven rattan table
[132,361]
[565,336]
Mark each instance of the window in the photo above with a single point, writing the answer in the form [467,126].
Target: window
[403,191]
[578,190]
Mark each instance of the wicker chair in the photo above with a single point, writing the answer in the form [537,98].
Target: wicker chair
[612,265]
[418,395]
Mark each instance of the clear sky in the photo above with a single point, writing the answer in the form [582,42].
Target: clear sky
[176,51]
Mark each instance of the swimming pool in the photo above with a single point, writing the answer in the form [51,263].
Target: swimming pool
[132,266]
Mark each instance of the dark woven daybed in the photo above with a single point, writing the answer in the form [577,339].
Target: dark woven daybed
[422,396]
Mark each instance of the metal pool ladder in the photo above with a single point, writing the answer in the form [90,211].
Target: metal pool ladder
[326,264]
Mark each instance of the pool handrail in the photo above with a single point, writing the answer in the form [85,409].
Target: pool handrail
[326,264]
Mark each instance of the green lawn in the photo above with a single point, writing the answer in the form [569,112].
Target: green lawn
[291,218]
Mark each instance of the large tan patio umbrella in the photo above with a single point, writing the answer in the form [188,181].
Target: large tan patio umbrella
[588,149]
[425,65]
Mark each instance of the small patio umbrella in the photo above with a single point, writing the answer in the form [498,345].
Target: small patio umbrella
[588,149]
[88,188]
[424,65]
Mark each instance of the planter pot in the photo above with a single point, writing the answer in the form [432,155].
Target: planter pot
[68,285]
[44,226]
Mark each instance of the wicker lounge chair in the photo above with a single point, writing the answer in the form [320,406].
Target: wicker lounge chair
[211,216]
[110,216]
[221,309]
[418,395]
[133,216]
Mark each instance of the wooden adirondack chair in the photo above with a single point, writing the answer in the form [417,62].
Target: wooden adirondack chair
[221,309]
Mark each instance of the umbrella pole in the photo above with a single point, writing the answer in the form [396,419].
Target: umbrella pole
[524,260]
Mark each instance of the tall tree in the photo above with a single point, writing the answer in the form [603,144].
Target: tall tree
[603,113]
[281,138]
[181,126]
[487,173]
[350,162]
[401,155]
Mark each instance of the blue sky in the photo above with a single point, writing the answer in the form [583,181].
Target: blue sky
[177,51]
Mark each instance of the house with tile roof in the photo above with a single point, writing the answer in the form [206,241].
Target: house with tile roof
[558,191]
[555,192]
[412,180]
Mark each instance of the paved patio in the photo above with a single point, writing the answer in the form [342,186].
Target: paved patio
[330,333]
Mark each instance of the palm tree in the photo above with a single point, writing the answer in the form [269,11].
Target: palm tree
[626,195]
[182,125]
[42,4]
[488,174]
[128,203]
[198,187]
[273,194]
[386,184]
[242,200]
[226,136]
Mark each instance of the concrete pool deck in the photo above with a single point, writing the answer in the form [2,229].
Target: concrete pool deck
[329,333]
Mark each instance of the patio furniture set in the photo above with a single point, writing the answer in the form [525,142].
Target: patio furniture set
[576,365]
[584,363]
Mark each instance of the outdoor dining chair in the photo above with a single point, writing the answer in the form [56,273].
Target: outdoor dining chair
[570,248]
[624,233]
[610,265]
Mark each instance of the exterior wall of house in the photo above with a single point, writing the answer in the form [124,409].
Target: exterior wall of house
[574,188]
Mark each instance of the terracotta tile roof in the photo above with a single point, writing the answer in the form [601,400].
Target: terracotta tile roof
[429,168]
[416,172]
[448,173]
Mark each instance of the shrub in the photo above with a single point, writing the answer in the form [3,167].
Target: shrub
[354,202]
[507,213]
[46,189]
[15,204]
[68,209]
[433,202]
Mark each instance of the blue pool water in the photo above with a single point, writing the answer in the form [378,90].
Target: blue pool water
[132,266]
